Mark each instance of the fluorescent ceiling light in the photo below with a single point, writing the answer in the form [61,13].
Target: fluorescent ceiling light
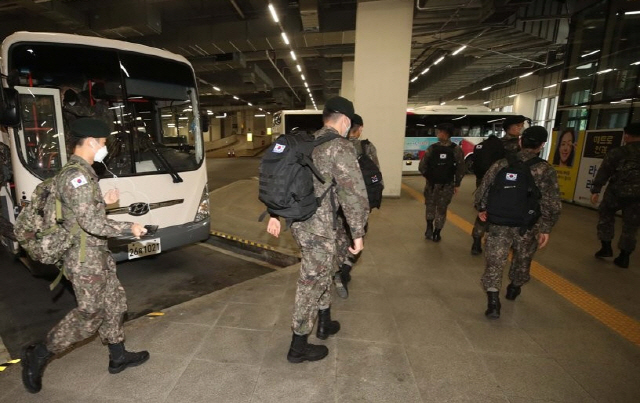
[414,78]
[236,98]
[512,96]
[438,61]
[293,55]
[590,53]
[494,120]
[302,76]
[306,84]
[461,117]
[216,88]
[526,74]
[419,124]
[425,70]
[461,96]
[551,86]
[631,12]
[460,49]
[443,103]
[635,63]
[298,67]
[486,88]
[224,115]
[273,13]
[249,103]
[486,102]
[605,71]
[570,79]
[284,38]
[259,115]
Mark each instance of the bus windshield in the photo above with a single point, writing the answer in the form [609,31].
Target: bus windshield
[149,102]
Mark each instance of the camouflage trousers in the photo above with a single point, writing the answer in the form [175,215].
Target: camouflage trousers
[500,240]
[630,221]
[437,198]
[101,301]
[343,242]
[313,291]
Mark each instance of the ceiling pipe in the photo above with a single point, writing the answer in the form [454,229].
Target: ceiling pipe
[235,5]
[281,75]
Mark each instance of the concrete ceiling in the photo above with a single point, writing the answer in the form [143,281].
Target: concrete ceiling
[235,44]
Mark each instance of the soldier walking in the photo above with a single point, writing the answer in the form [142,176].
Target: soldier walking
[337,163]
[621,168]
[88,264]
[443,167]
[520,199]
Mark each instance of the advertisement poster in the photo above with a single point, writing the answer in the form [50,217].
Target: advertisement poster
[564,156]
[596,145]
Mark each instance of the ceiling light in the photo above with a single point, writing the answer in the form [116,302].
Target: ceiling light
[551,86]
[438,61]
[460,49]
[486,88]
[512,96]
[443,103]
[461,117]
[414,78]
[273,13]
[293,55]
[259,115]
[590,53]
[526,74]
[249,103]
[635,63]
[298,67]
[631,12]
[306,84]
[284,38]
[570,79]
[461,96]
[605,71]
[236,98]
[425,70]
[216,88]
[302,76]
[486,102]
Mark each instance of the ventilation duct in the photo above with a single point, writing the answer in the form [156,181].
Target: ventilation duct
[309,15]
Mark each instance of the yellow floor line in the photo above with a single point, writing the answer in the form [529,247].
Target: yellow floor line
[617,321]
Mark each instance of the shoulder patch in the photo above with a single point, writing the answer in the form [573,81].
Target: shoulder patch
[78,181]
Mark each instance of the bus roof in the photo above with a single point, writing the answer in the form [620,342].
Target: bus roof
[72,39]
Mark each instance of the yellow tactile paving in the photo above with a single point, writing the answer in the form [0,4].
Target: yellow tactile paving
[617,321]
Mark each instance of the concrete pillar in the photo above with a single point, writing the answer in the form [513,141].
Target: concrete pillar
[347,88]
[381,81]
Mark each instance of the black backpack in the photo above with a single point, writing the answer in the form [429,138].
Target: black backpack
[486,154]
[514,198]
[627,179]
[441,165]
[286,176]
[372,177]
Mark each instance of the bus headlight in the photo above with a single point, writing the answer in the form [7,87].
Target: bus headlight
[203,207]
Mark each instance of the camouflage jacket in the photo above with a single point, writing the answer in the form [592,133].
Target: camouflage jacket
[461,167]
[610,164]
[545,178]
[337,161]
[371,151]
[511,144]
[82,203]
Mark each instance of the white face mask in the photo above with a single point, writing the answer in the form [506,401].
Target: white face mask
[100,154]
[346,132]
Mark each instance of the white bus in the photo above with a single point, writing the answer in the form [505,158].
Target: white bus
[147,96]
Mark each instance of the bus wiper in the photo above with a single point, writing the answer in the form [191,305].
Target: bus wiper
[163,161]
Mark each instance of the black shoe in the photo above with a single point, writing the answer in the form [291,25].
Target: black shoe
[493,305]
[605,251]
[622,260]
[120,359]
[476,248]
[428,234]
[341,286]
[512,292]
[345,273]
[301,350]
[436,235]
[34,360]
[326,326]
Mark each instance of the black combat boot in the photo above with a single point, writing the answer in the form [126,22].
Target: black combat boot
[428,234]
[326,326]
[345,273]
[493,305]
[341,286]
[623,259]
[120,359]
[476,248]
[34,360]
[512,292]
[436,235]
[301,350]
[605,251]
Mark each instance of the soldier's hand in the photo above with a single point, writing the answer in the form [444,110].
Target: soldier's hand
[543,239]
[482,215]
[358,245]
[112,196]
[273,227]
[594,198]
[138,230]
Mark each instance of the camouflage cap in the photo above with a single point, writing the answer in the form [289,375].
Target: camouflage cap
[340,105]
[89,127]
[357,120]
[513,120]
[535,133]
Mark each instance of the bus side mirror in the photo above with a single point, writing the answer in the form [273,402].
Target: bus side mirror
[204,122]
[9,107]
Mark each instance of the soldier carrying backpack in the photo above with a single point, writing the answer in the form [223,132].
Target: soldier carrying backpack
[519,197]
[443,167]
[621,168]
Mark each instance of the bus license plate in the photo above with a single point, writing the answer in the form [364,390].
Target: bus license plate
[144,248]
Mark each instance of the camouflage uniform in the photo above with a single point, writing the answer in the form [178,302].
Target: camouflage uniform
[437,197]
[611,204]
[500,239]
[372,153]
[336,160]
[511,145]
[101,299]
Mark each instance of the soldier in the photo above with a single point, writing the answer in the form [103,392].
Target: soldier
[491,151]
[88,264]
[336,160]
[346,259]
[524,241]
[443,167]
[621,168]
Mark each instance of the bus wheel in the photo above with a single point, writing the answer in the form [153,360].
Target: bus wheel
[469,163]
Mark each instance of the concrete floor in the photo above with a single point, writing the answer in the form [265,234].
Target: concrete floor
[413,328]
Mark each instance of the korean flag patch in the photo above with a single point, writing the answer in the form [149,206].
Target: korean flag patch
[443,156]
[79,181]
[512,177]
[278,148]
